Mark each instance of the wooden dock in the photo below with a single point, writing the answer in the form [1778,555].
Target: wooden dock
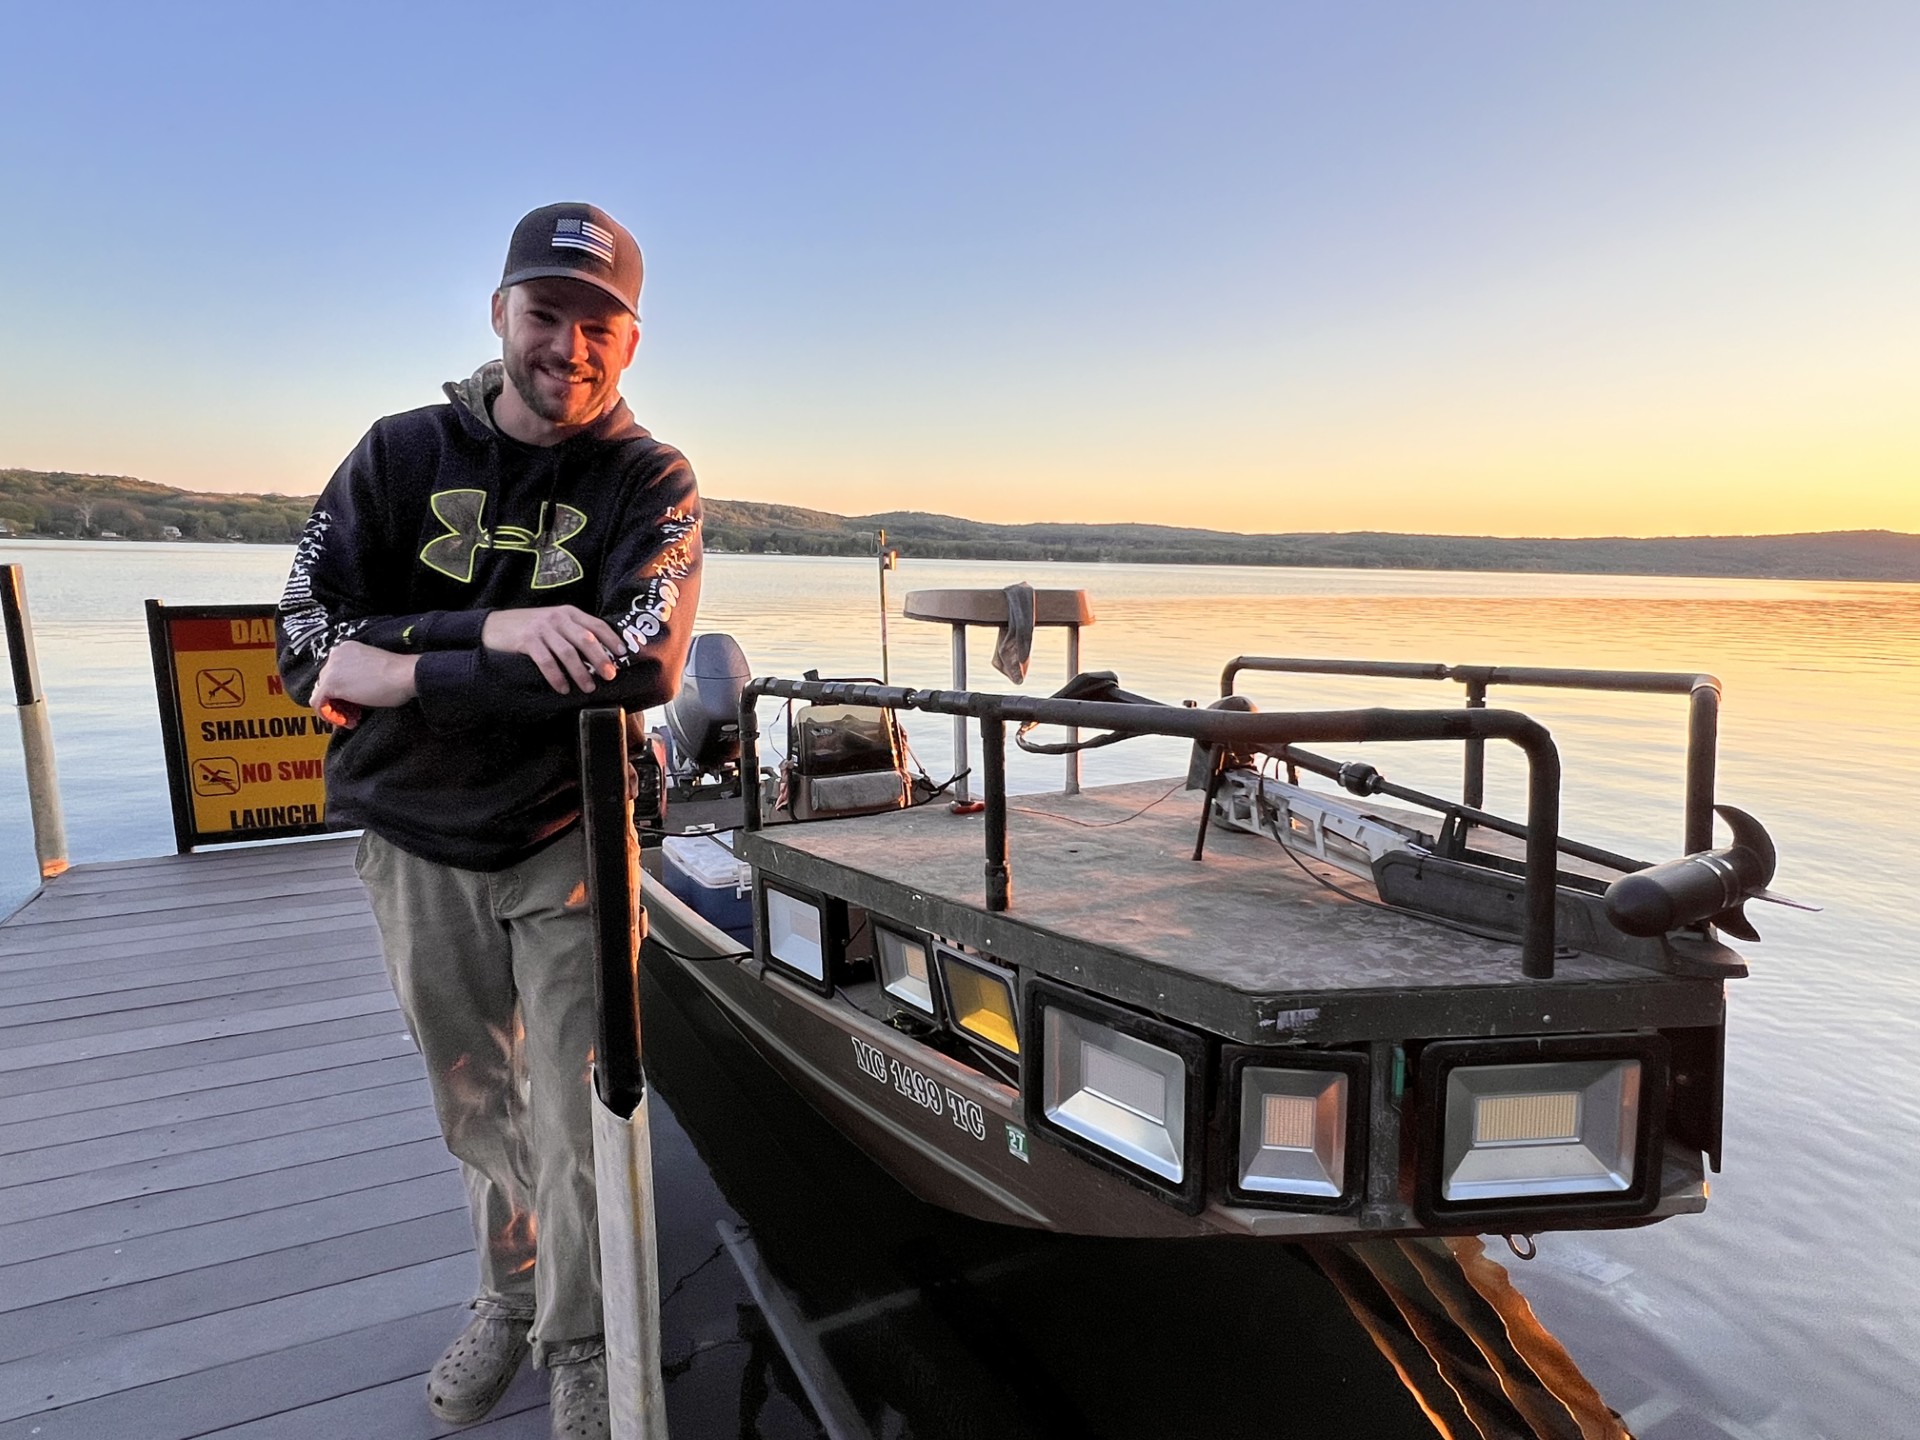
[225,1208]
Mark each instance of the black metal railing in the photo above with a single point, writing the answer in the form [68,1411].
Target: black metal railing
[1703,711]
[1234,730]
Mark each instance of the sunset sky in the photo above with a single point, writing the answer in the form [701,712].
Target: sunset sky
[1507,268]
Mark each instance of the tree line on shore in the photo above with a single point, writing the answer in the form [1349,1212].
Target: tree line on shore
[1831,555]
[116,506]
[97,507]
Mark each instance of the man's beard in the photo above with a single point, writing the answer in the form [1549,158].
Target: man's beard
[576,407]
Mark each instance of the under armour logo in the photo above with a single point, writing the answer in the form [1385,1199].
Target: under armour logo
[463,512]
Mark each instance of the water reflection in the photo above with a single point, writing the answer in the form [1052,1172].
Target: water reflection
[1466,1343]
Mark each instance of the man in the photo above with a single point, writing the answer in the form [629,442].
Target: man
[473,576]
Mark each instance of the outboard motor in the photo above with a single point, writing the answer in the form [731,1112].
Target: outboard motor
[703,720]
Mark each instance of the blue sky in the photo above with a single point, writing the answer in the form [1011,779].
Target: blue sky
[1487,268]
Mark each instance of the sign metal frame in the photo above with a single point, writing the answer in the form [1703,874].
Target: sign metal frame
[187,835]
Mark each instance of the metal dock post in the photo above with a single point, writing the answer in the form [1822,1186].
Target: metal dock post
[622,1141]
[36,732]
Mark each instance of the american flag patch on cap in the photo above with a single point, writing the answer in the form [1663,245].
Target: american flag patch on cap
[572,234]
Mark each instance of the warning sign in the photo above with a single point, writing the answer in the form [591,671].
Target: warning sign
[244,761]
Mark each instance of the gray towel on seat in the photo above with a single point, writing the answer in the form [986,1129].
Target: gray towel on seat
[1010,656]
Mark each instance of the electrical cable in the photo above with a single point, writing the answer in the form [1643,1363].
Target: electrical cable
[674,1369]
[1460,925]
[934,792]
[1066,747]
[692,959]
[680,1284]
[1101,824]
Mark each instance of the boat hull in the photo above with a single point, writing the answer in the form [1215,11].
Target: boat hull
[957,1138]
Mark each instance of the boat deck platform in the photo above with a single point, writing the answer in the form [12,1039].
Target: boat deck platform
[225,1207]
[1251,944]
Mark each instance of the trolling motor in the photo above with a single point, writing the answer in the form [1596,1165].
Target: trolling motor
[1709,885]
[1653,900]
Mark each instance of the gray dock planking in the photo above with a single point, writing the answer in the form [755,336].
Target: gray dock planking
[224,1204]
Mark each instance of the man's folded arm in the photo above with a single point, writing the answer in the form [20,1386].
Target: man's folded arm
[649,602]
[330,596]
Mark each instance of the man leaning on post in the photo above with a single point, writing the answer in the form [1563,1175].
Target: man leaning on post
[474,575]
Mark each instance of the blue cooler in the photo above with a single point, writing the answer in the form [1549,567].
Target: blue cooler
[703,871]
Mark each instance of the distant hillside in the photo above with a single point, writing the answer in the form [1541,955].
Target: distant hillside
[35,502]
[1832,555]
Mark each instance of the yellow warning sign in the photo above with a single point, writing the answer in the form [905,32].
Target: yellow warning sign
[245,762]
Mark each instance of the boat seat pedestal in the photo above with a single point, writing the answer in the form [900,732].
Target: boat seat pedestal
[1067,609]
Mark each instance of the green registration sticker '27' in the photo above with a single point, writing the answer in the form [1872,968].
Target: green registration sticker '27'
[1017,1144]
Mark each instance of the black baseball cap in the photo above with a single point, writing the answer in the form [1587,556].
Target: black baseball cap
[574,241]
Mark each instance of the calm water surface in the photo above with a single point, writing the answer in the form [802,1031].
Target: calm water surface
[1792,1307]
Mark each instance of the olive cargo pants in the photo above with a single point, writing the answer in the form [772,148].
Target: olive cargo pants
[494,973]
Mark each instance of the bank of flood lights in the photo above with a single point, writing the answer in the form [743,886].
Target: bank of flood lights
[980,1000]
[906,970]
[1564,1121]
[799,932]
[1298,1129]
[1119,1088]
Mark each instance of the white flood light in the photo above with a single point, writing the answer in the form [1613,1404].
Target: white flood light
[1568,1127]
[1293,1132]
[1124,1095]
[905,970]
[796,934]
[1124,1090]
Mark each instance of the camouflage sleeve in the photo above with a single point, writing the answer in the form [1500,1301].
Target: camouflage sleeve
[337,587]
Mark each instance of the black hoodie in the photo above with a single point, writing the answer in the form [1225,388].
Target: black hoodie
[435,520]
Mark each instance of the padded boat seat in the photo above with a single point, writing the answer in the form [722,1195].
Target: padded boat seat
[989,607]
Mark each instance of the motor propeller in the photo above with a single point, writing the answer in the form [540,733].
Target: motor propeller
[1710,885]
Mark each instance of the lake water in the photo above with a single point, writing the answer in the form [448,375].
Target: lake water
[1792,1306]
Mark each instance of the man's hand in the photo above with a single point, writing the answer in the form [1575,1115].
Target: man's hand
[357,676]
[569,645]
